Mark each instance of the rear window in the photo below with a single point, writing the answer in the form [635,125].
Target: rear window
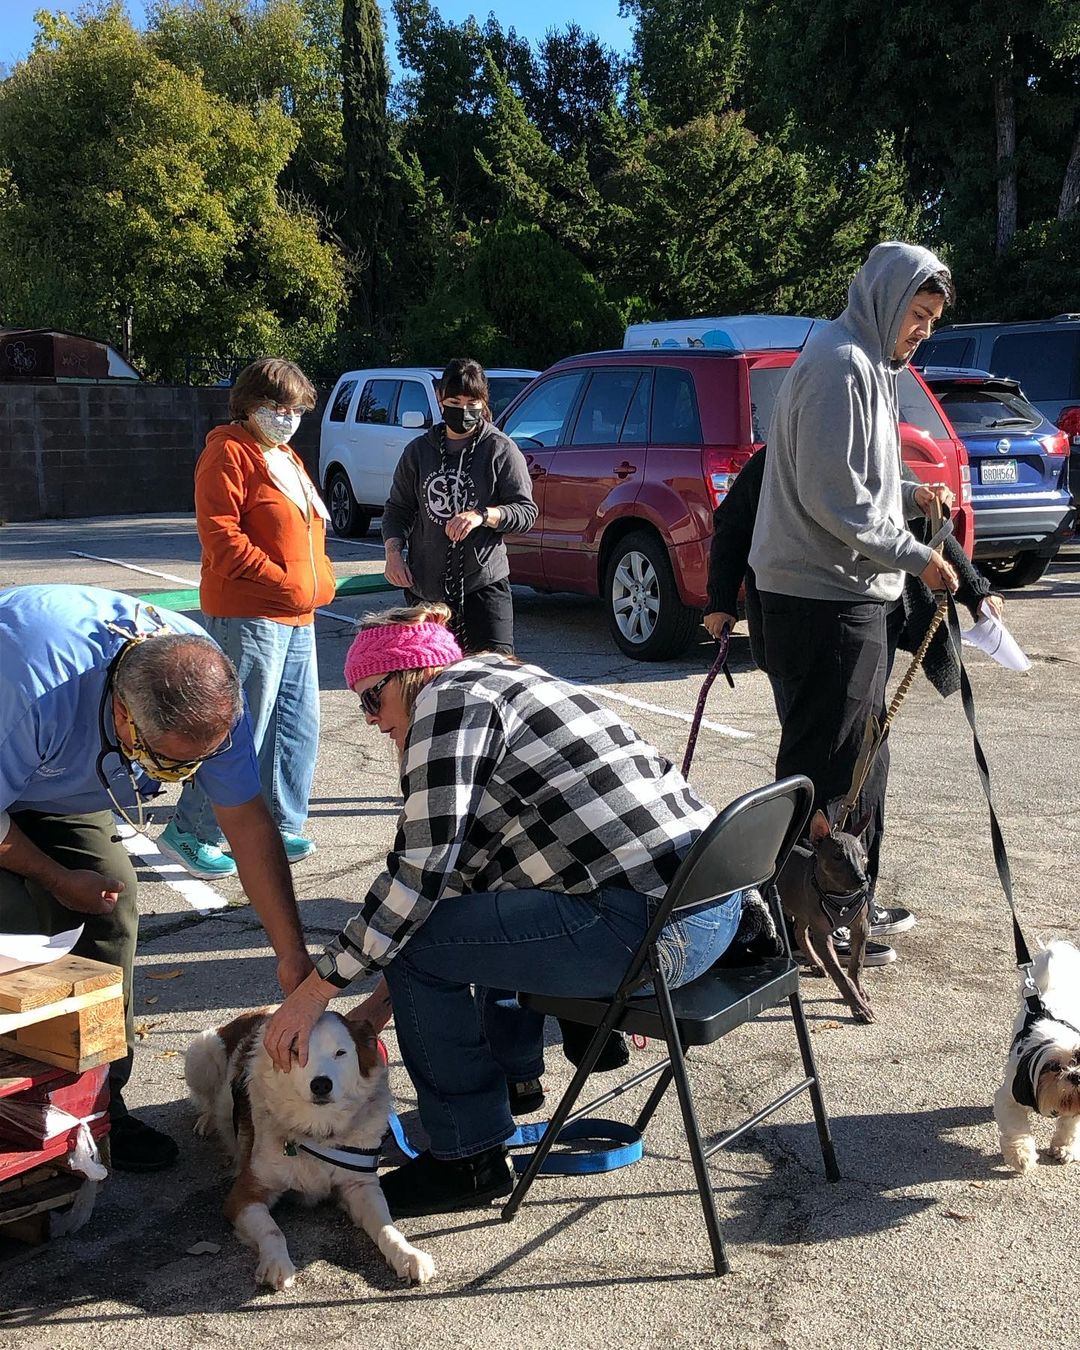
[972,410]
[377,401]
[342,399]
[675,419]
[765,382]
[605,407]
[946,351]
[502,390]
[916,408]
[1046,364]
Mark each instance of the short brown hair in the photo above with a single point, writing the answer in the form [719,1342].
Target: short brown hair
[270,379]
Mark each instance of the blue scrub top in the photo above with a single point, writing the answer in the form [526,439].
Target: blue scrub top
[55,653]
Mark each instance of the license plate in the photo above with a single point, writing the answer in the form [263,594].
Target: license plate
[998,471]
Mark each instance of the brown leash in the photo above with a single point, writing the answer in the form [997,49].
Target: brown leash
[719,664]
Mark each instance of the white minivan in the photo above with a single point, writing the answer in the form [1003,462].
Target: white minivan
[370,418]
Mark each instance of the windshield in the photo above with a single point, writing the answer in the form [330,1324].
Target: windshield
[973,411]
[502,389]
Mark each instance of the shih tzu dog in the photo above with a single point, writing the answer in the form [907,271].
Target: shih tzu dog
[1042,1072]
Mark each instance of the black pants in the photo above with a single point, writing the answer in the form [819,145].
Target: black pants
[88,841]
[828,662]
[488,618]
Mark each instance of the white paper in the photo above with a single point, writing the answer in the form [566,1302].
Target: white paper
[35,949]
[992,637]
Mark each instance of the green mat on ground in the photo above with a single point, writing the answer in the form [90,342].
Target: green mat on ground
[189,599]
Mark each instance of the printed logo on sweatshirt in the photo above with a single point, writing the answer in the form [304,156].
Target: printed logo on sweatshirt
[445,494]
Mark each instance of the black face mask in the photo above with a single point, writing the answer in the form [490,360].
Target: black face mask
[461,420]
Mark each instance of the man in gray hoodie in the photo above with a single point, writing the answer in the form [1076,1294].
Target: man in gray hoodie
[831,543]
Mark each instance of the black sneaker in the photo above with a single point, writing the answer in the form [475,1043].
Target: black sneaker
[135,1146]
[876,953]
[525,1097]
[575,1041]
[427,1185]
[884,921]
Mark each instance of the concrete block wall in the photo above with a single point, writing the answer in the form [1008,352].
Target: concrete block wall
[97,449]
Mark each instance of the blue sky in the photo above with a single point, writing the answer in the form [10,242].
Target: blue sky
[531,19]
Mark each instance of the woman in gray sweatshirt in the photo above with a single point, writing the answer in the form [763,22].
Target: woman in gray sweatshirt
[457,490]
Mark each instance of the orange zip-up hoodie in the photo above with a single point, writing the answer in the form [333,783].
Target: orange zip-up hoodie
[262,559]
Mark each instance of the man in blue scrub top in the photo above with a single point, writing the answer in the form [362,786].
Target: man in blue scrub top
[101,700]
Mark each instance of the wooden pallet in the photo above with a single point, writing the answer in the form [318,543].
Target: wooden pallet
[69,1013]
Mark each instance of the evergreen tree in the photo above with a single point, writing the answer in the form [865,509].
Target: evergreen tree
[366,133]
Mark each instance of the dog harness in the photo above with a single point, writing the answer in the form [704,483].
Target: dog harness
[1029,1066]
[351,1159]
[839,907]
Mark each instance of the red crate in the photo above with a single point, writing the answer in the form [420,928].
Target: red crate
[36,1090]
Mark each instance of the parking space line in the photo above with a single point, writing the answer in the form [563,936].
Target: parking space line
[718,727]
[198,894]
[186,581]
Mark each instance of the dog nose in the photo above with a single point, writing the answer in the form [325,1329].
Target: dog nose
[321,1087]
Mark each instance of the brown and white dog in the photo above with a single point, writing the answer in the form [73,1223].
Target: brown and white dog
[338,1104]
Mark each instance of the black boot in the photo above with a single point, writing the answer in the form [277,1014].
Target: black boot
[427,1185]
[575,1041]
[135,1146]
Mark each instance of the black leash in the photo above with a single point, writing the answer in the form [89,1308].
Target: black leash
[1032,998]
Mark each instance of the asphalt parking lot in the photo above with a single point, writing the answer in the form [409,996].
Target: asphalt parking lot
[927,1241]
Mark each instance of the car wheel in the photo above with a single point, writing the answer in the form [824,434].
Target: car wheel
[1011,573]
[348,520]
[647,619]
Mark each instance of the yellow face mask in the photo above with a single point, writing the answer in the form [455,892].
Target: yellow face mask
[161,767]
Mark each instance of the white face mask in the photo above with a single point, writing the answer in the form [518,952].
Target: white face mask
[278,427]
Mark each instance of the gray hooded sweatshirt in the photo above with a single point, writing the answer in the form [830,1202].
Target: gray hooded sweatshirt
[831,521]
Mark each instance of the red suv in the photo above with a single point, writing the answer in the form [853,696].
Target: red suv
[630,452]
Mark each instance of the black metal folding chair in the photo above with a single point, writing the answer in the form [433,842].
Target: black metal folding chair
[746,845]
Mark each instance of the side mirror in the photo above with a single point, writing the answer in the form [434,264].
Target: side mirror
[413,421]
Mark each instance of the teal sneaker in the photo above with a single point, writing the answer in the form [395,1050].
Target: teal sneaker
[297,848]
[201,860]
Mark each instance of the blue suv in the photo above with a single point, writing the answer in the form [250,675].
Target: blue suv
[1019,472]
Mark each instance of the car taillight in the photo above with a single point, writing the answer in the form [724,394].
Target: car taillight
[965,484]
[721,468]
[1057,444]
[1069,422]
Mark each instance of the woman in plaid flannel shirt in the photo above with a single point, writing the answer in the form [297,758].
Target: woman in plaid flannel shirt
[537,835]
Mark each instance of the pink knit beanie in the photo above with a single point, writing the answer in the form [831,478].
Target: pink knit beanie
[400,646]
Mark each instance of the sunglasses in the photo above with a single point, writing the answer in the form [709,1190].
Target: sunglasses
[169,769]
[370,699]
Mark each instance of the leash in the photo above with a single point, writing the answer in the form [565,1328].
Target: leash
[625,1144]
[875,732]
[719,664]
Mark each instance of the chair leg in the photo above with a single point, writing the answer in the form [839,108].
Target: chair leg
[655,1098]
[562,1111]
[828,1153]
[690,1125]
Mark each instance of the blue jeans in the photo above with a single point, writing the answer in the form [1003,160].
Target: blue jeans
[539,942]
[279,670]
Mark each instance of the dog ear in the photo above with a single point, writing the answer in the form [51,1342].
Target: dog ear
[366,1042]
[859,829]
[819,827]
[237,1031]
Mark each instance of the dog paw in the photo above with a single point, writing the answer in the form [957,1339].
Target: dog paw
[414,1266]
[278,1272]
[1065,1153]
[1021,1154]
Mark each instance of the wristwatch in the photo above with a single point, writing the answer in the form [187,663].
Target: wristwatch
[487,517]
[326,968]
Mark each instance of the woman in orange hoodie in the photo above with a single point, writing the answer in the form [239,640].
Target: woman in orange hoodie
[264,572]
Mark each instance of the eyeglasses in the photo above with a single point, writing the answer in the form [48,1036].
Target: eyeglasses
[370,699]
[164,767]
[284,408]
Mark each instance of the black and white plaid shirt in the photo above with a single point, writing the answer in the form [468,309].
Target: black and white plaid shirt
[515,780]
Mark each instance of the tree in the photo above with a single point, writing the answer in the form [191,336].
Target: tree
[254,51]
[364,81]
[124,185]
[690,55]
